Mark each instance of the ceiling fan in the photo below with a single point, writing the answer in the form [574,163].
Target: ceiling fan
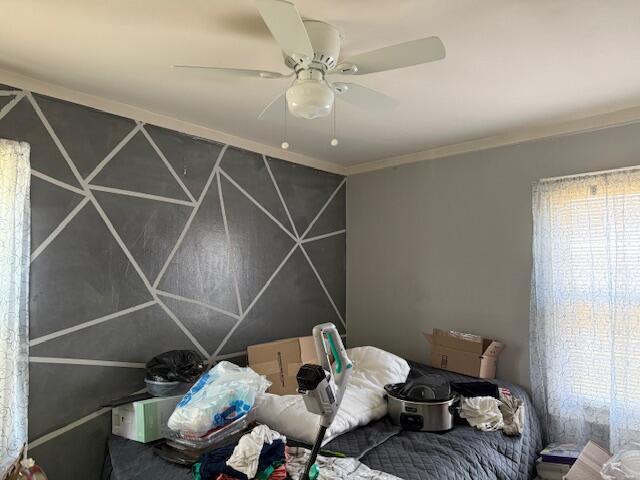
[311,50]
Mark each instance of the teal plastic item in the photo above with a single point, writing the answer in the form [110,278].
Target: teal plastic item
[314,472]
[334,352]
[195,471]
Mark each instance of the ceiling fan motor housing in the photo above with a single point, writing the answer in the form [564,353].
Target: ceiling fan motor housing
[325,40]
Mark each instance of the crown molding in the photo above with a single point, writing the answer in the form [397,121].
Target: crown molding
[595,121]
[125,110]
[571,127]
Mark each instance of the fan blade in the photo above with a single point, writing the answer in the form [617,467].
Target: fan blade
[401,55]
[364,97]
[237,71]
[285,24]
[271,104]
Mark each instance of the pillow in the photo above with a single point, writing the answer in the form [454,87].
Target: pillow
[362,403]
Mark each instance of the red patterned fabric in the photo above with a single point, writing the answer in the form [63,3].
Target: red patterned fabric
[279,473]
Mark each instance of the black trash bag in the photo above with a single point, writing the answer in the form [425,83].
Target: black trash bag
[176,366]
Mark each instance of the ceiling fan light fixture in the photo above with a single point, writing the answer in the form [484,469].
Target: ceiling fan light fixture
[311,50]
[310,98]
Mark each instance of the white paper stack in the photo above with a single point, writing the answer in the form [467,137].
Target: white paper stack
[551,471]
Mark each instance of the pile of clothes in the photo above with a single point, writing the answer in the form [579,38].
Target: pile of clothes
[487,407]
[262,454]
[259,454]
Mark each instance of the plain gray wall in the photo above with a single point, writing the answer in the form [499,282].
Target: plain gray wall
[446,243]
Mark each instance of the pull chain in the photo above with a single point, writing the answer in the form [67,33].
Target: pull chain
[334,140]
[285,144]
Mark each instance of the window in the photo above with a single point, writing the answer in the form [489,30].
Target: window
[585,315]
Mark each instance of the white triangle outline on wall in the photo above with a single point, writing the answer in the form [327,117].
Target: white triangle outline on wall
[139,129]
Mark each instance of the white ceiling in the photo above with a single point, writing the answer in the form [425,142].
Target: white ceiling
[510,65]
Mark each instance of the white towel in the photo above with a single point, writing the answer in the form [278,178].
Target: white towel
[246,455]
[482,413]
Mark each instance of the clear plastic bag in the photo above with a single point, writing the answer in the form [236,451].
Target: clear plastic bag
[624,465]
[221,395]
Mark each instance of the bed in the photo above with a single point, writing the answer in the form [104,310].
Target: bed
[463,453]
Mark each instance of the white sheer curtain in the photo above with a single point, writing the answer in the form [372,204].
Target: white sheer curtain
[585,307]
[14,298]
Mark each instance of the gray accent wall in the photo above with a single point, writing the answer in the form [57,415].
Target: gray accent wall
[146,240]
[446,243]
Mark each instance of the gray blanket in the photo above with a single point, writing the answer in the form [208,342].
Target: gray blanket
[463,453]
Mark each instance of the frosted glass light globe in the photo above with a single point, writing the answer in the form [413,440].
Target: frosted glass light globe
[309,99]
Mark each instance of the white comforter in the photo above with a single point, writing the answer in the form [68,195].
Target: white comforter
[363,399]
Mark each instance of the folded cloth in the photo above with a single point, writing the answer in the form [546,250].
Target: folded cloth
[332,468]
[476,389]
[279,473]
[512,410]
[273,472]
[482,413]
[265,474]
[214,463]
[255,449]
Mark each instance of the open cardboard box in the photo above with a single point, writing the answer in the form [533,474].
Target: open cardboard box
[464,353]
[589,463]
[280,361]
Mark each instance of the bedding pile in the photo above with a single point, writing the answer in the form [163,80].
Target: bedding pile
[363,400]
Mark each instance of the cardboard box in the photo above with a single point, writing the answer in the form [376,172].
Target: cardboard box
[464,353]
[143,421]
[280,361]
[589,463]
